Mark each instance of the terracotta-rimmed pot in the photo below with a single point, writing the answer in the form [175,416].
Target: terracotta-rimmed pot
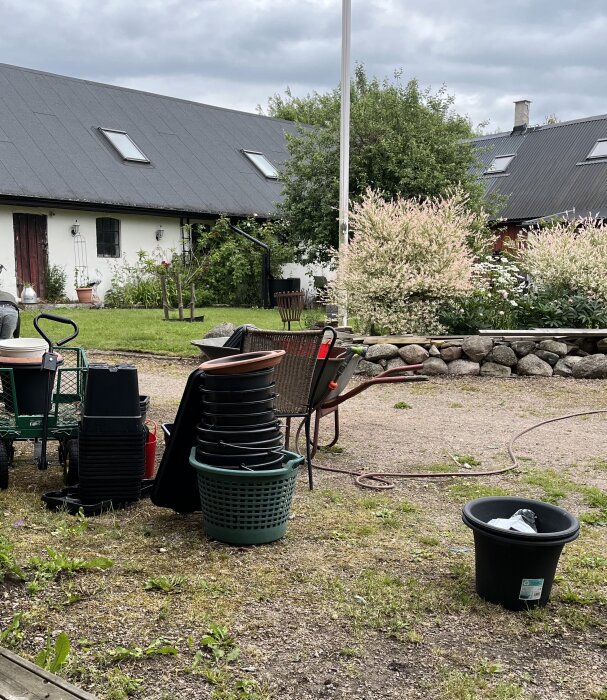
[245,362]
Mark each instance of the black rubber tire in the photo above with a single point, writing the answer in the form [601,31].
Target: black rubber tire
[71,474]
[5,460]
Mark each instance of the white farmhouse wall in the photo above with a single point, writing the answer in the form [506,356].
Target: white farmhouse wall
[307,273]
[8,282]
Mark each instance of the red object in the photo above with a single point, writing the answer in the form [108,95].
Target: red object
[323,351]
[150,450]
[332,385]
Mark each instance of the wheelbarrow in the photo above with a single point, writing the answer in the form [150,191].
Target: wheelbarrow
[40,399]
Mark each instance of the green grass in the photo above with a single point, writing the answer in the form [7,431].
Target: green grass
[145,330]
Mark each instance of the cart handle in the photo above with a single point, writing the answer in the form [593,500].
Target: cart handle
[58,319]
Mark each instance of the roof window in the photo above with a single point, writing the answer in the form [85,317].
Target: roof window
[262,164]
[125,145]
[599,150]
[499,164]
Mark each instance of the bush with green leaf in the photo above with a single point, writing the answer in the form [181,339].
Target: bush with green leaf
[55,281]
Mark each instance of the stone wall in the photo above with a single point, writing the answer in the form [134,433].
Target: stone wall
[479,355]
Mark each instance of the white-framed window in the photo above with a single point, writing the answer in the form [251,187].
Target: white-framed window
[262,164]
[124,144]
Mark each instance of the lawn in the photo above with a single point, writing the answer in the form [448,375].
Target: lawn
[370,595]
[145,330]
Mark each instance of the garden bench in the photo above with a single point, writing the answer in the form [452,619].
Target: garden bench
[20,679]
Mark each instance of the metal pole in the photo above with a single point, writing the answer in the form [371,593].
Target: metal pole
[344,141]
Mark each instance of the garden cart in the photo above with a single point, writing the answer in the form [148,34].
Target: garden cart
[41,399]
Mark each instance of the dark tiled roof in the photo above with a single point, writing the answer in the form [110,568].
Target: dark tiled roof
[550,173]
[50,148]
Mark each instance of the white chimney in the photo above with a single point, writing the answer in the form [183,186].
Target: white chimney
[521,115]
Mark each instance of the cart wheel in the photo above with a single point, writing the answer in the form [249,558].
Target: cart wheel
[5,460]
[70,471]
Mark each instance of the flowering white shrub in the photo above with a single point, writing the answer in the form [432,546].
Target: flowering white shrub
[406,258]
[569,257]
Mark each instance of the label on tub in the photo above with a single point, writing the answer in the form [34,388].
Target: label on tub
[531,589]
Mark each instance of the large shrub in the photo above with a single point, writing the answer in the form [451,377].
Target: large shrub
[407,258]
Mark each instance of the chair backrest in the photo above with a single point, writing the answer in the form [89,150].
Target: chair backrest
[293,376]
[290,305]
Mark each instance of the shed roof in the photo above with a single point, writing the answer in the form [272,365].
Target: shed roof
[51,148]
[550,173]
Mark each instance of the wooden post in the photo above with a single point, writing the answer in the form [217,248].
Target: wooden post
[192,301]
[179,296]
[165,300]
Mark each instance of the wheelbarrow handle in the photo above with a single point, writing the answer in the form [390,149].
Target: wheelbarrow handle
[58,319]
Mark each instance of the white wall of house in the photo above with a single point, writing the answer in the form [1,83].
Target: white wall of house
[306,274]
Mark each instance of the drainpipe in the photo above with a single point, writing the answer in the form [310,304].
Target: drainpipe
[265,265]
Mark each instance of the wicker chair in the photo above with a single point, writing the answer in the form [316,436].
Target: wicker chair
[294,376]
[290,305]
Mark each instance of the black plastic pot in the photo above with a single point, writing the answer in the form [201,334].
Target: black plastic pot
[257,462]
[240,407]
[239,436]
[516,569]
[240,382]
[236,395]
[246,420]
[236,448]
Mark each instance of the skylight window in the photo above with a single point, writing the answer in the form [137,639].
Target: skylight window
[599,150]
[499,164]
[125,145]
[262,164]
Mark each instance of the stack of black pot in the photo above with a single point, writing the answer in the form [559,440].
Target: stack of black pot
[239,429]
[112,436]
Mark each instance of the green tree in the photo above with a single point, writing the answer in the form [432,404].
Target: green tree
[403,141]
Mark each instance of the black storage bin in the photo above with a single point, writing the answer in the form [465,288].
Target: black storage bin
[516,569]
[144,404]
[112,390]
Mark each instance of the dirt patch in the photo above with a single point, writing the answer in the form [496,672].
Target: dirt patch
[370,595]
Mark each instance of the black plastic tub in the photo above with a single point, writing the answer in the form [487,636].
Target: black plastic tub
[235,395]
[239,407]
[112,390]
[240,382]
[257,462]
[236,448]
[166,431]
[243,420]
[516,569]
[239,436]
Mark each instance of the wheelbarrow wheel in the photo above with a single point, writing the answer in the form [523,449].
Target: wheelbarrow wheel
[70,472]
[5,461]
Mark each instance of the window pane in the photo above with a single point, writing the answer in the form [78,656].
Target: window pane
[599,150]
[108,238]
[262,164]
[499,164]
[123,143]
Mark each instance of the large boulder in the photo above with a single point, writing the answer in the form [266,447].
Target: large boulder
[433,351]
[502,355]
[591,367]
[533,366]
[523,347]
[477,347]
[450,353]
[493,369]
[564,366]
[434,365]
[462,368]
[554,346]
[369,369]
[395,362]
[550,357]
[222,330]
[381,351]
[413,354]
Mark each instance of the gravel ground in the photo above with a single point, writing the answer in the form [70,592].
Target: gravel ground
[371,594]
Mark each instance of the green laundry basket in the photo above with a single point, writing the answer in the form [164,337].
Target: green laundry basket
[246,507]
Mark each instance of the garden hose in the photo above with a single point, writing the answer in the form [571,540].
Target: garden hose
[382,480]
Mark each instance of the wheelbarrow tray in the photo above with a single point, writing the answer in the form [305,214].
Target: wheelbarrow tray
[214,348]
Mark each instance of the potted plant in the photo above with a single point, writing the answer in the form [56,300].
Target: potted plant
[84,288]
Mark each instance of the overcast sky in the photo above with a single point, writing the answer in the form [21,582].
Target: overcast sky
[236,53]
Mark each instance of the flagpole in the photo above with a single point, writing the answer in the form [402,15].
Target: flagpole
[344,140]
